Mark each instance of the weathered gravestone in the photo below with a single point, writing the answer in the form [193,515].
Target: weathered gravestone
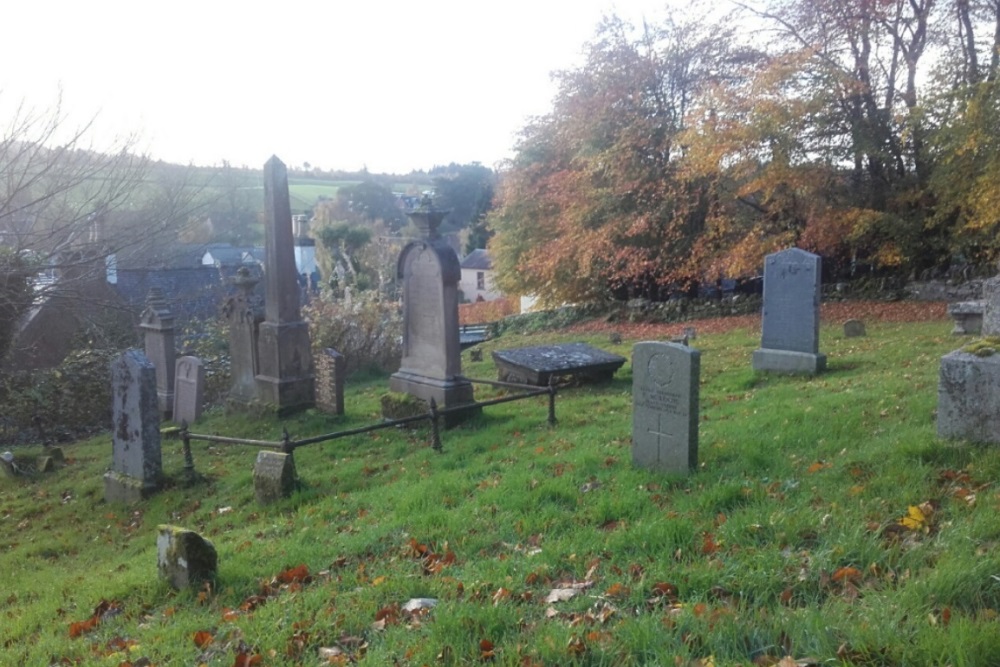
[242,315]
[273,476]
[541,364]
[854,328]
[185,558]
[991,307]
[790,338]
[330,371]
[285,380]
[969,397]
[189,390]
[431,366]
[157,324]
[136,465]
[665,380]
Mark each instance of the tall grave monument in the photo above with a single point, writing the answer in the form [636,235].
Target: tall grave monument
[157,324]
[665,406]
[790,339]
[432,363]
[285,377]
[136,463]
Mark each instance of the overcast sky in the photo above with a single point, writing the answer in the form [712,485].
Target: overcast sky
[393,85]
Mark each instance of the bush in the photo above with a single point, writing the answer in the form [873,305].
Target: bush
[369,332]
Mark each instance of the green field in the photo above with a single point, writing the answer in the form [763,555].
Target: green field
[826,524]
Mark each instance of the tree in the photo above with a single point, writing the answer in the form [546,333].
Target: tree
[467,191]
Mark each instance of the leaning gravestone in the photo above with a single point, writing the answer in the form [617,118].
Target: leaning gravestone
[330,371]
[189,390]
[790,338]
[185,558]
[665,380]
[273,476]
[136,465]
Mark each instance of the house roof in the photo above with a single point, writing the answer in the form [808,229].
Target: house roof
[478,259]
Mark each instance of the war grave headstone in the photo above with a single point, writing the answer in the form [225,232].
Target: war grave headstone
[431,366]
[273,476]
[665,406]
[243,317]
[854,328]
[285,380]
[790,329]
[157,324]
[330,370]
[189,390]
[136,464]
[185,559]
[540,364]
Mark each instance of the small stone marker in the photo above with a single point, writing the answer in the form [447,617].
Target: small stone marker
[136,464]
[45,464]
[536,365]
[185,558]
[790,337]
[273,476]
[968,316]
[690,333]
[665,380]
[7,465]
[854,328]
[330,370]
[55,452]
[189,389]
[969,397]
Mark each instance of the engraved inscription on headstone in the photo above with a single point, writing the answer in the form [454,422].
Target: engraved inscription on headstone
[136,464]
[665,406]
[189,389]
[790,336]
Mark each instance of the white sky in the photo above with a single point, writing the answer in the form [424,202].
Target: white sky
[391,84]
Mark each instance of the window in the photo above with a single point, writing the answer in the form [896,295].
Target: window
[480,280]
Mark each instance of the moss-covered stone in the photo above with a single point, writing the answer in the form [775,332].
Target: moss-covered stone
[397,405]
[185,558]
[983,347]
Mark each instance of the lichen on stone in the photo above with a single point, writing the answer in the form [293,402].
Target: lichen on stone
[983,347]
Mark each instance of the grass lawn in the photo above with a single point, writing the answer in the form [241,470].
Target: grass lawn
[826,524]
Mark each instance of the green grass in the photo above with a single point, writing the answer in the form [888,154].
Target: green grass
[785,541]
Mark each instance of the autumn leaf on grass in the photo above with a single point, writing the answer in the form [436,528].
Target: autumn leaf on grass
[561,595]
[294,575]
[486,650]
[203,638]
[918,517]
[247,660]
[846,575]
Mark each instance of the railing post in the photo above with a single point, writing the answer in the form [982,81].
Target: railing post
[189,473]
[286,442]
[552,403]
[435,429]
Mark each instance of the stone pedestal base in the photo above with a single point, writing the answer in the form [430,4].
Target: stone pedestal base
[122,489]
[785,361]
[446,394]
[969,397]
[285,381]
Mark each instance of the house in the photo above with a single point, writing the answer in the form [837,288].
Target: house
[477,277]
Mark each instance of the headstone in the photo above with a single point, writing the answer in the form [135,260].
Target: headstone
[540,364]
[330,370]
[968,317]
[969,397]
[189,390]
[790,338]
[690,333]
[854,328]
[273,476]
[243,317]
[285,379]
[185,559]
[991,307]
[157,323]
[45,464]
[665,380]
[7,465]
[136,464]
[431,366]
[56,453]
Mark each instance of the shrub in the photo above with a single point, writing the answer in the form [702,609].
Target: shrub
[368,332]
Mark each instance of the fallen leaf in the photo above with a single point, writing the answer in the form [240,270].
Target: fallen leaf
[561,595]
[203,638]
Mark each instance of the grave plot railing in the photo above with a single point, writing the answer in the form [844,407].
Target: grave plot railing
[433,414]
